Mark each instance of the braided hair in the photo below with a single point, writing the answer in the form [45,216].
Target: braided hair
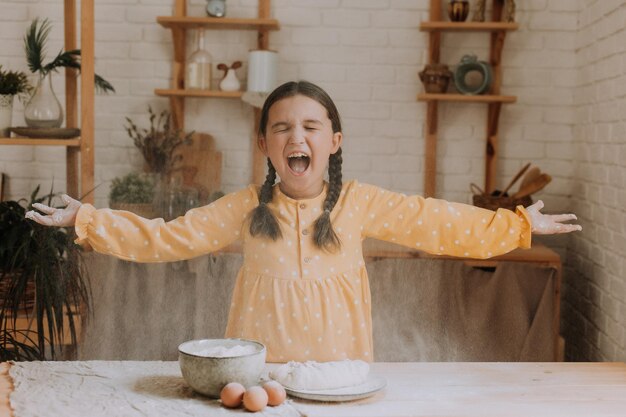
[263,222]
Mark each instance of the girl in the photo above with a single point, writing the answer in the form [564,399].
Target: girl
[303,288]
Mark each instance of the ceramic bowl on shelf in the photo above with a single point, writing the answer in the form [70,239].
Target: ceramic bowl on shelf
[208,365]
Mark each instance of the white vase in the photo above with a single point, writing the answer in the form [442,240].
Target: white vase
[230,82]
[6,112]
[44,109]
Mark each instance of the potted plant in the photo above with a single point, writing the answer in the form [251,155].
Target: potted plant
[12,83]
[133,192]
[43,282]
[43,109]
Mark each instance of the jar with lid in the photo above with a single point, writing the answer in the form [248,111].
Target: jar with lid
[198,68]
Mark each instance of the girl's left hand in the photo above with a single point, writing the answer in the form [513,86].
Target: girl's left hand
[548,224]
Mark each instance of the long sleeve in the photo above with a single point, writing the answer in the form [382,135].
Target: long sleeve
[201,230]
[440,227]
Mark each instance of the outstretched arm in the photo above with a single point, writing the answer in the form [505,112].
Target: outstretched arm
[549,224]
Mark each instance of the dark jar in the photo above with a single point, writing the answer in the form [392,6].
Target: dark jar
[458,10]
[435,78]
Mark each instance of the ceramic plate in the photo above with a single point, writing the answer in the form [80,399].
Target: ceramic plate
[371,386]
[46,133]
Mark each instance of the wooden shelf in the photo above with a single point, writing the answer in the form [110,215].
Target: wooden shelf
[198,93]
[467,98]
[41,142]
[192,22]
[468,26]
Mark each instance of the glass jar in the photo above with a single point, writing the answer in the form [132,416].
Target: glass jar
[198,71]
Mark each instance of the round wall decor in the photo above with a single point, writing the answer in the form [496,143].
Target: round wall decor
[473,76]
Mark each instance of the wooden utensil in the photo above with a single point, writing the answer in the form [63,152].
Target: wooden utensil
[533,186]
[515,178]
[531,175]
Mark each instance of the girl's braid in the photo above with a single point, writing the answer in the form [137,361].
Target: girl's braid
[324,236]
[263,221]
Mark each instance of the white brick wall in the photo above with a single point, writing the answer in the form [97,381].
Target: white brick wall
[565,64]
[594,302]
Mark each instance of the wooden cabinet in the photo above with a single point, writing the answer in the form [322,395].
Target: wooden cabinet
[435,27]
[179,23]
[79,151]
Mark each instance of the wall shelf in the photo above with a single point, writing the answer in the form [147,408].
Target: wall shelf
[190,22]
[435,27]
[41,142]
[198,93]
[467,26]
[179,24]
[466,98]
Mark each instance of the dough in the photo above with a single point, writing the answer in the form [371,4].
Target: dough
[312,375]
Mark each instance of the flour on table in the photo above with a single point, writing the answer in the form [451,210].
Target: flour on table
[312,375]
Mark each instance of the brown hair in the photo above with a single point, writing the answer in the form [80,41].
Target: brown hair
[263,221]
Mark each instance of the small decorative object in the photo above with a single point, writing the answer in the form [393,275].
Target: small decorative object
[262,66]
[479,12]
[216,8]
[199,66]
[436,78]
[229,81]
[472,76]
[509,11]
[458,10]
[12,83]
[46,132]
[43,108]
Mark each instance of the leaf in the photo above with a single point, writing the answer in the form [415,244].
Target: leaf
[35,42]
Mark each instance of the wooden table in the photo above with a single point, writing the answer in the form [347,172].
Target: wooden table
[472,389]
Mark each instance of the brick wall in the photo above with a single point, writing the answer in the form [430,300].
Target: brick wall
[594,302]
[366,54]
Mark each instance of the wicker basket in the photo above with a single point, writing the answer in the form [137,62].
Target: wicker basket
[491,202]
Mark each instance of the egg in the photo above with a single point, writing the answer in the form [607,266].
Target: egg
[255,398]
[232,394]
[276,394]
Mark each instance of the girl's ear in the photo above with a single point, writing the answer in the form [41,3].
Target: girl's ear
[337,138]
[262,144]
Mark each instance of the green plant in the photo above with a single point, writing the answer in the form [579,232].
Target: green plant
[47,260]
[157,144]
[133,188]
[13,82]
[35,48]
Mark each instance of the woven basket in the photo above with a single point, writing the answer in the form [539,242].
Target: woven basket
[480,199]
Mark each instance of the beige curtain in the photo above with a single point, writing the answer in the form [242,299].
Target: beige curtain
[423,309]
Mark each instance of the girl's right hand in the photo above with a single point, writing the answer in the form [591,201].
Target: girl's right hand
[64,217]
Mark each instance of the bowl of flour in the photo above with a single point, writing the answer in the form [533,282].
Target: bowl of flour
[209,364]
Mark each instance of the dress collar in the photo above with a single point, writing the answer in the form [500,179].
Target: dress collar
[278,194]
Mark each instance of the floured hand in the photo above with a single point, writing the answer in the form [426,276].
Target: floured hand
[548,224]
[64,217]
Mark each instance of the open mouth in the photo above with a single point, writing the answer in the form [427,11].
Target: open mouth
[298,162]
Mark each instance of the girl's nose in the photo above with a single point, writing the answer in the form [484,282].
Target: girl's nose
[296,137]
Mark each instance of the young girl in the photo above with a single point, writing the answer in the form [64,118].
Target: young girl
[303,288]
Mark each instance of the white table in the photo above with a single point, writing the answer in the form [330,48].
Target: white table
[413,389]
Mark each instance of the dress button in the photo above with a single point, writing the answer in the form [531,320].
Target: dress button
[307,260]
[302,206]
[305,232]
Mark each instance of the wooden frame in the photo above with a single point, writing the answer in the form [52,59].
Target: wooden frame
[179,23]
[79,152]
[494,100]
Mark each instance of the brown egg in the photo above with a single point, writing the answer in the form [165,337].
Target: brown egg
[232,394]
[276,394]
[255,398]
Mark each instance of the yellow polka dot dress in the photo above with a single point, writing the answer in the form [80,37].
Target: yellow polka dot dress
[301,302]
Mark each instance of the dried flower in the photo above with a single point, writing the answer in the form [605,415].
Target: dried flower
[157,144]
